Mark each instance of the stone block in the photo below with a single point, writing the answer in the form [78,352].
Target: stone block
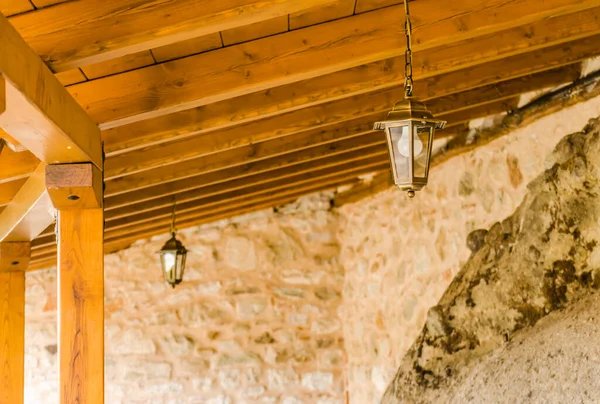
[131,341]
[317,381]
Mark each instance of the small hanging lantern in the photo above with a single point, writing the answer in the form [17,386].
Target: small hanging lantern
[172,257]
[410,129]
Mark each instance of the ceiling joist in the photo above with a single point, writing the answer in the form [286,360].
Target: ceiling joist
[75,34]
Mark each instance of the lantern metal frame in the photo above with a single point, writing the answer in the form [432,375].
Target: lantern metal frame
[173,246]
[410,113]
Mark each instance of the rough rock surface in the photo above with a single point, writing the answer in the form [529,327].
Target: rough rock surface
[556,361]
[542,258]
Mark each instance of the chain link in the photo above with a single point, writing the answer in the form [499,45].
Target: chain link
[408,68]
[173,216]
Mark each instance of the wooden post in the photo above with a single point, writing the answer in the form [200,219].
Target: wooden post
[75,190]
[14,258]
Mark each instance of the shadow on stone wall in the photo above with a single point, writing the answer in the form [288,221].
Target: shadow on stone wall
[539,260]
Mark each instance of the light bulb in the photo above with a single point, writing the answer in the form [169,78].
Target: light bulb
[404,145]
[169,262]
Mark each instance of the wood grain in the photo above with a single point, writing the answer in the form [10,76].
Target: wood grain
[40,114]
[81,305]
[299,55]
[76,34]
[307,126]
[30,211]
[74,186]
[12,337]
[431,76]
[14,256]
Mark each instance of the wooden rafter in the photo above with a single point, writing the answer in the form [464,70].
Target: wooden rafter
[300,55]
[100,30]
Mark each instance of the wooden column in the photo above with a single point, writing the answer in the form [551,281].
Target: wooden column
[76,191]
[14,258]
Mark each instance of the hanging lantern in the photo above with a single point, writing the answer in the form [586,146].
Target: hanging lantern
[172,257]
[410,130]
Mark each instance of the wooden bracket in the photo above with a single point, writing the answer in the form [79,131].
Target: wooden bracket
[14,256]
[74,186]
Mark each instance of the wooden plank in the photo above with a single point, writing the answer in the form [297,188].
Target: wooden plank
[12,7]
[317,15]
[254,31]
[16,165]
[12,337]
[372,77]
[363,6]
[47,3]
[189,47]
[207,215]
[194,167]
[231,204]
[81,306]
[297,55]
[285,131]
[70,77]
[118,65]
[76,34]
[40,114]
[8,190]
[215,183]
[30,211]
[249,186]
[482,111]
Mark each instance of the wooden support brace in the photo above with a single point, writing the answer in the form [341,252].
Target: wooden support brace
[14,258]
[74,186]
[30,211]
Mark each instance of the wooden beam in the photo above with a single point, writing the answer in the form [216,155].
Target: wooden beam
[74,186]
[76,34]
[38,112]
[303,54]
[14,258]
[193,167]
[257,185]
[30,212]
[15,166]
[236,197]
[81,306]
[284,132]
[204,216]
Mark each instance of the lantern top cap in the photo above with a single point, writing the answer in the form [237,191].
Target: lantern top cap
[410,109]
[173,245]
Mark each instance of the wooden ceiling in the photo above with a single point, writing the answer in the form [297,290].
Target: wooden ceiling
[233,106]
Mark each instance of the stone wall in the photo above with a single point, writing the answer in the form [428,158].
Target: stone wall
[303,306]
[400,255]
[255,320]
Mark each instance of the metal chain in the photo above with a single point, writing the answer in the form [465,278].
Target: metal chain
[408,70]
[173,217]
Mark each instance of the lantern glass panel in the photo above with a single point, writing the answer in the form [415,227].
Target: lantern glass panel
[399,146]
[169,264]
[422,139]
